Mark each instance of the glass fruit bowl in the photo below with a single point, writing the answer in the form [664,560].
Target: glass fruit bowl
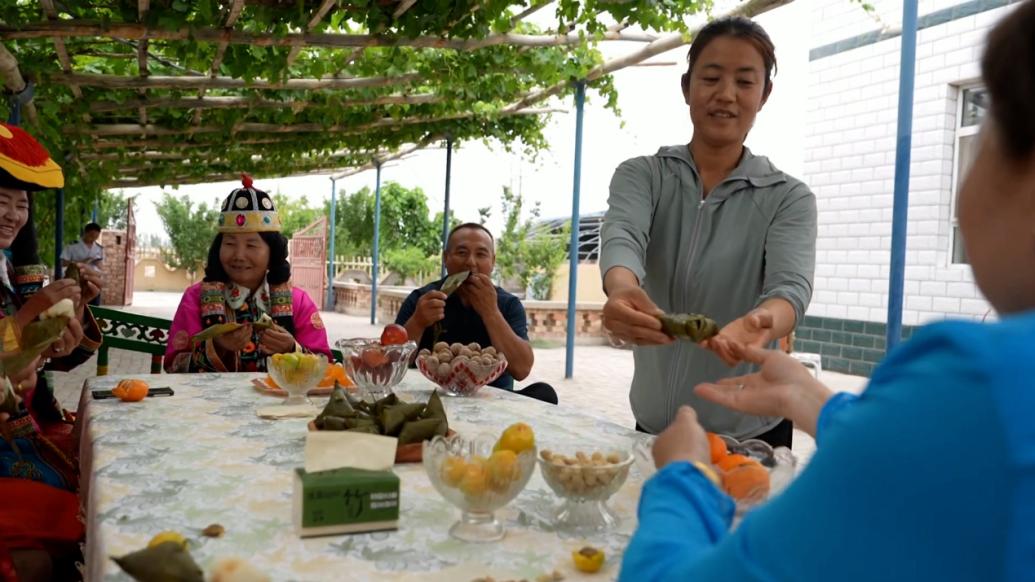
[461,378]
[779,462]
[375,368]
[477,480]
[296,373]
[585,481]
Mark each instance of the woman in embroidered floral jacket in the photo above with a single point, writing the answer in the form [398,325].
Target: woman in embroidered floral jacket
[247,277]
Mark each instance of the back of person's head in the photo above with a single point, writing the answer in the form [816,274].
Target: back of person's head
[92,227]
[1008,68]
[736,27]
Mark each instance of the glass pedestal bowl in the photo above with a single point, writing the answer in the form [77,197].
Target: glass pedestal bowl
[465,379]
[375,368]
[780,462]
[297,374]
[470,476]
[585,482]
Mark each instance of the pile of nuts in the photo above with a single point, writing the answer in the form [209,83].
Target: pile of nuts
[446,359]
[583,475]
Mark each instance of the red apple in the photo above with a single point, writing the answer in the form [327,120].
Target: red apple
[394,334]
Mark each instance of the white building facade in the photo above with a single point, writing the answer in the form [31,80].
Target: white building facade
[850,138]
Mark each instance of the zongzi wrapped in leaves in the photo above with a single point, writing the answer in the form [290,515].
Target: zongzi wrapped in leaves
[72,272]
[166,562]
[338,405]
[693,327]
[332,423]
[422,430]
[380,405]
[371,429]
[434,408]
[454,281]
[393,418]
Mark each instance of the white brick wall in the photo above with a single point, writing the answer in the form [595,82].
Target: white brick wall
[850,155]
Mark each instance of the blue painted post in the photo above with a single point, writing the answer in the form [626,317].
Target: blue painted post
[329,303]
[445,212]
[573,245]
[377,241]
[96,210]
[904,139]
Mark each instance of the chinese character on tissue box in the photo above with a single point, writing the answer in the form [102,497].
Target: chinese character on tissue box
[347,484]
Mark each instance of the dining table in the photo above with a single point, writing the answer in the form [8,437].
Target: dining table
[203,456]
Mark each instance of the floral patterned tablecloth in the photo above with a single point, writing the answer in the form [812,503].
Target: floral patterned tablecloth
[202,456]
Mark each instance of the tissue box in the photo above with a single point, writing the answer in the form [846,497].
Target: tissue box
[345,501]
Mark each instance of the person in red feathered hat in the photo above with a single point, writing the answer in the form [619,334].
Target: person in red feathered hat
[39,527]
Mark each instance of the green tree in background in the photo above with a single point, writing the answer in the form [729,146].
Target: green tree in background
[409,262]
[405,221]
[294,214]
[111,211]
[526,253]
[190,229]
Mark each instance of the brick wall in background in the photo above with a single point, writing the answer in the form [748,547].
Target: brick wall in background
[850,155]
[114,290]
[847,346]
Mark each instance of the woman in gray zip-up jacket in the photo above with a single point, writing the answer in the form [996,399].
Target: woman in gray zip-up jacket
[708,228]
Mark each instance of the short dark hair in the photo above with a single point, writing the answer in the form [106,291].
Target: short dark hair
[737,27]
[92,227]
[279,268]
[467,225]
[1008,68]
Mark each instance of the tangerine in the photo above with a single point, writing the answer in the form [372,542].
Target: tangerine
[730,462]
[747,482]
[131,390]
[718,447]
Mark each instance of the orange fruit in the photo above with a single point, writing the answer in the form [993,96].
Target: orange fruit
[747,482]
[131,390]
[335,373]
[730,462]
[718,447]
[517,437]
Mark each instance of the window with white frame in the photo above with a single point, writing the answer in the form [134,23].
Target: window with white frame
[973,106]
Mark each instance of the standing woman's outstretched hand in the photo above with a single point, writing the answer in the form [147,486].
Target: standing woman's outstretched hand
[782,387]
[752,330]
[630,316]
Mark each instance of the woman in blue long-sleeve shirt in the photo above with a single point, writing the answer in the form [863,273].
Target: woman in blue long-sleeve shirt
[930,473]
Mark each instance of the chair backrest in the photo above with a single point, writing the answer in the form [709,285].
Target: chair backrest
[137,333]
[131,331]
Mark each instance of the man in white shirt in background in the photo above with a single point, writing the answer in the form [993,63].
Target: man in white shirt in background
[87,253]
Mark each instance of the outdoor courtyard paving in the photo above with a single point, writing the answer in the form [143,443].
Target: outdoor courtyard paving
[600,386]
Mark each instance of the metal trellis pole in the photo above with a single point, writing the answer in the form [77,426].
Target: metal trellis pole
[377,237]
[445,212]
[573,246]
[329,303]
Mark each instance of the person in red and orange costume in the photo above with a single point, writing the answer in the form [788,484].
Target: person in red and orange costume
[39,526]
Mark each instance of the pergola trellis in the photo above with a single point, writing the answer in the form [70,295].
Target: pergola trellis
[164,92]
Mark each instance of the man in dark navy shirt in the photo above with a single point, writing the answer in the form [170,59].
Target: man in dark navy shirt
[478,311]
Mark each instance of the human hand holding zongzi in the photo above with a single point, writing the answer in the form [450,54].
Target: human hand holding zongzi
[46,298]
[234,341]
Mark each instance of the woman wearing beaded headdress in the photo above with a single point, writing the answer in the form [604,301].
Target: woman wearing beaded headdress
[39,528]
[247,281]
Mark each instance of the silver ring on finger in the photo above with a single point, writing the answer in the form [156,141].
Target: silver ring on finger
[740,386]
